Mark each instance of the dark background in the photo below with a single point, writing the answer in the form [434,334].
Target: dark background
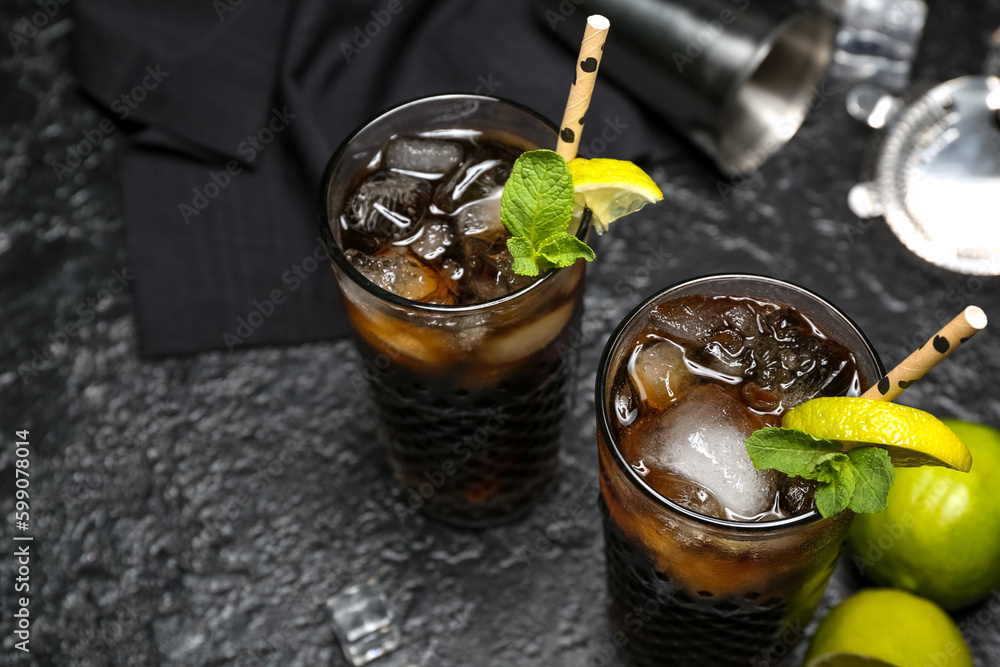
[162,536]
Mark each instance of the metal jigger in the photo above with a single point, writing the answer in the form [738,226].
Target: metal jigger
[735,76]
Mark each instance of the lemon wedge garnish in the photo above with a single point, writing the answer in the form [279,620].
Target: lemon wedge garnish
[911,437]
[611,189]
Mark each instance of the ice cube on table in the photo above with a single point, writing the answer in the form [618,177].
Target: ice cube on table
[482,175]
[396,270]
[658,373]
[702,438]
[435,239]
[387,207]
[431,158]
[363,623]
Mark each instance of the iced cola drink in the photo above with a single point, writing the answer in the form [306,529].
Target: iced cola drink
[469,364]
[711,561]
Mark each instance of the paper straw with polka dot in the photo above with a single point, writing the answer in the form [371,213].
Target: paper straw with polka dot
[591,49]
[969,322]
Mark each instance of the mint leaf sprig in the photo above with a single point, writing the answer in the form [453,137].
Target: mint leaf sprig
[859,479]
[536,208]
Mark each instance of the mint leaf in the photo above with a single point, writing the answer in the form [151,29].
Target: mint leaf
[536,207]
[859,479]
[875,475]
[836,485]
[525,262]
[792,452]
[562,250]
[537,200]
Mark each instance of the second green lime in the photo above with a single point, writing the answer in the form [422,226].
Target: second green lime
[939,536]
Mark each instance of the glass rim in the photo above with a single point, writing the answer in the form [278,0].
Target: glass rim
[336,254]
[611,441]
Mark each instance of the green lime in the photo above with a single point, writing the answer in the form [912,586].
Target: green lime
[882,627]
[939,536]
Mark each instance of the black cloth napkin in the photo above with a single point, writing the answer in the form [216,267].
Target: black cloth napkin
[236,106]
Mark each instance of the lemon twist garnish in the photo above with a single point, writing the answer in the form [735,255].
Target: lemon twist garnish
[911,437]
[611,189]
[542,199]
[851,446]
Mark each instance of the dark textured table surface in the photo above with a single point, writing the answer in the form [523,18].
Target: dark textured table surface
[168,532]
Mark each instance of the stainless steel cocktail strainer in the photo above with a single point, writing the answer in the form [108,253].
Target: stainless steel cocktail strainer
[936,177]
